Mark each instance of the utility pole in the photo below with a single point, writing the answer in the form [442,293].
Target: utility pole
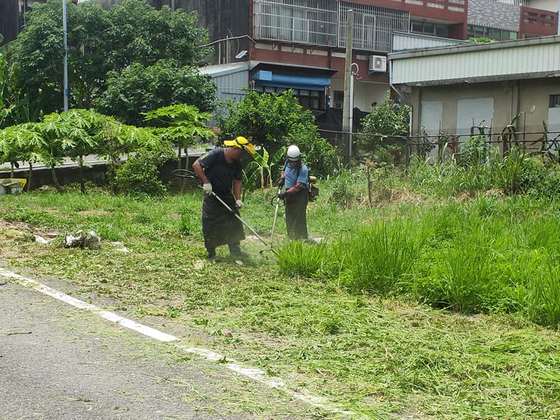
[348,82]
[65,30]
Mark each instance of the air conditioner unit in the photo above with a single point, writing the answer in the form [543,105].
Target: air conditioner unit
[377,64]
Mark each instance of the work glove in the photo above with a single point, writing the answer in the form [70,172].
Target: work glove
[238,204]
[207,187]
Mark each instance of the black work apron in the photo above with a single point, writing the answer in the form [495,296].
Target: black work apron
[296,214]
[219,225]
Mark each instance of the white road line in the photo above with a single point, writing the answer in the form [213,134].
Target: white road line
[255,374]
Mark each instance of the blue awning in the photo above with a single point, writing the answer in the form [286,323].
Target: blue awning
[269,78]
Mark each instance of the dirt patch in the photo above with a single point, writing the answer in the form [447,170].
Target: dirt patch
[494,193]
[94,213]
[21,230]
[396,196]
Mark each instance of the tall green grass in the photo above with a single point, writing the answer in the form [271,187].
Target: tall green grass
[487,255]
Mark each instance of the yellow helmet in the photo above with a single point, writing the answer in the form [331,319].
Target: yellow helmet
[241,143]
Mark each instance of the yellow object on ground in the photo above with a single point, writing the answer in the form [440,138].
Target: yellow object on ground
[12,185]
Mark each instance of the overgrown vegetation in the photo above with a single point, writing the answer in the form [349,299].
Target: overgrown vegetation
[485,256]
[275,121]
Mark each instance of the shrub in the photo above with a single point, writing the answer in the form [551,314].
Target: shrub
[140,174]
[276,121]
[139,89]
[381,130]
[343,191]
[474,152]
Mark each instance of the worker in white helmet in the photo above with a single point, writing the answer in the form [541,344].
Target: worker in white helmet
[295,180]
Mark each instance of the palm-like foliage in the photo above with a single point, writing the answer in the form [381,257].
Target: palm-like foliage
[181,125]
[75,134]
[259,172]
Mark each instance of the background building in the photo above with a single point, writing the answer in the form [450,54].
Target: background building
[299,44]
[9,19]
[454,89]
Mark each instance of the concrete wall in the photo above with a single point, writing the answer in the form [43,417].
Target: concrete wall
[365,93]
[529,98]
[534,102]
[494,14]
[96,174]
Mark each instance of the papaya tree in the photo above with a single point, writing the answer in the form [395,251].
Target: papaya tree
[180,125]
[78,129]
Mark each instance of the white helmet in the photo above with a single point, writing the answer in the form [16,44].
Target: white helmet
[293,152]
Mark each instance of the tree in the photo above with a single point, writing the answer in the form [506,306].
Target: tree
[21,143]
[180,125]
[275,121]
[100,41]
[79,129]
[383,129]
[139,89]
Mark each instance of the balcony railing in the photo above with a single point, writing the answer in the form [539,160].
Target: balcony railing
[449,5]
[323,22]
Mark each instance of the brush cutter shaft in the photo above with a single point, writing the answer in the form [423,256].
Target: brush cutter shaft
[244,222]
[275,216]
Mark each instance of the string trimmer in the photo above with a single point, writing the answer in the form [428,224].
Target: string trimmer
[248,226]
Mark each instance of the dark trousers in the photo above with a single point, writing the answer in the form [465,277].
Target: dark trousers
[296,215]
[220,226]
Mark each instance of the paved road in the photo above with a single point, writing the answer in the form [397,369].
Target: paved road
[57,362]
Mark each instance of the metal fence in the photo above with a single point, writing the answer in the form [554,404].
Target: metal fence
[357,147]
[323,22]
[373,26]
[300,21]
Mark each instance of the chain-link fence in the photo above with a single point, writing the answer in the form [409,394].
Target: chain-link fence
[359,147]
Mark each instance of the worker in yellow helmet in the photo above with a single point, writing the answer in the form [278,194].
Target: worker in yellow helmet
[220,171]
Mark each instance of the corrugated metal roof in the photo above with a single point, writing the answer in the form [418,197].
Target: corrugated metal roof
[530,58]
[224,69]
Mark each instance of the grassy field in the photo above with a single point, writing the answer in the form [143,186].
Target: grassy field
[418,306]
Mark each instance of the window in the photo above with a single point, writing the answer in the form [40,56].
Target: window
[554,101]
[310,99]
[429,28]
[496,34]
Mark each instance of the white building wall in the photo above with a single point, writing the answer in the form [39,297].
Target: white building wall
[366,94]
